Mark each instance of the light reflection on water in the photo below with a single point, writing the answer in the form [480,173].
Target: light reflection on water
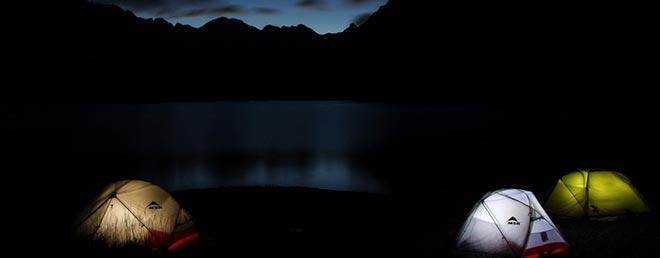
[322,171]
[280,143]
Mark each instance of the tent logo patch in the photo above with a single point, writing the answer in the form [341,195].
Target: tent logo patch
[512,221]
[154,206]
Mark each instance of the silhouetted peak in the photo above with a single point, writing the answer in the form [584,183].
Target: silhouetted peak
[161,21]
[270,28]
[351,28]
[158,24]
[305,29]
[396,14]
[183,26]
[298,29]
[227,24]
[109,9]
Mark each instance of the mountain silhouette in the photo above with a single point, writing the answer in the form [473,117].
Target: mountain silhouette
[459,51]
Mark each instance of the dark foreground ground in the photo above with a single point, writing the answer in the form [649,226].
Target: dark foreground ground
[303,222]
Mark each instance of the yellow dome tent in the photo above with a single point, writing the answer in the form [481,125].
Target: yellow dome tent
[134,213]
[596,194]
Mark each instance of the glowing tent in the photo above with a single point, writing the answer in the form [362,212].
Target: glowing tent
[510,222]
[596,194]
[184,232]
[135,213]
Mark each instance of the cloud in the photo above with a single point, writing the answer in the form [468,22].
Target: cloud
[195,8]
[311,4]
[265,10]
[232,8]
[138,5]
[214,11]
[163,7]
[358,2]
[360,19]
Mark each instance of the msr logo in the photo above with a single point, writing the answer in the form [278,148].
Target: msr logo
[512,221]
[154,206]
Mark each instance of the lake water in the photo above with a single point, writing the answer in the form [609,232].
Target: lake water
[210,144]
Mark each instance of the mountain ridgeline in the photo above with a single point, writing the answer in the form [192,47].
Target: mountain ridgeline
[455,47]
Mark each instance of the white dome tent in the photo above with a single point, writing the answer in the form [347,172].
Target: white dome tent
[134,213]
[510,222]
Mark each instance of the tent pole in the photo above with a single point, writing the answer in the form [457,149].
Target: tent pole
[98,226]
[145,226]
[531,220]
[498,228]
[586,195]
[94,211]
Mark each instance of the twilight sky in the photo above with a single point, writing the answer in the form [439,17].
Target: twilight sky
[323,16]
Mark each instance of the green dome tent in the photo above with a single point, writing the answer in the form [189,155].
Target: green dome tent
[596,194]
[134,213]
